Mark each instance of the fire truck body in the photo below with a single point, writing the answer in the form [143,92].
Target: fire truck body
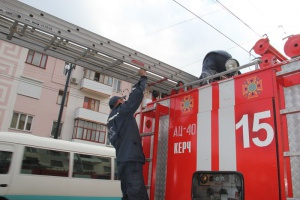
[247,123]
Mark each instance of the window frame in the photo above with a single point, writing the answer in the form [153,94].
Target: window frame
[17,124]
[117,85]
[58,97]
[85,130]
[88,102]
[42,61]
[98,77]
[53,129]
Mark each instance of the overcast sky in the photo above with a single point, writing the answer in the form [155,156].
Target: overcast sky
[181,32]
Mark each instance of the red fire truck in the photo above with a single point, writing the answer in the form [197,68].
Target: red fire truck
[233,139]
[237,138]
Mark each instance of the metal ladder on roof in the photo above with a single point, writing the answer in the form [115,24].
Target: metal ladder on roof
[149,128]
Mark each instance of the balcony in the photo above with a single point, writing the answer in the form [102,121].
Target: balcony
[91,115]
[95,87]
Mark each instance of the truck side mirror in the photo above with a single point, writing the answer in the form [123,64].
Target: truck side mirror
[223,185]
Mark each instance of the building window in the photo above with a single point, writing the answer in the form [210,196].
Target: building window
[91,104]
[37,59]
[117,85]
[54,129]
[85,130]
[21,121]
[96,76]
[30,87]
[107,80]
[60,96]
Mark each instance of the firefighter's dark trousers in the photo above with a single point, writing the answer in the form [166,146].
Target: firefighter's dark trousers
[132,181]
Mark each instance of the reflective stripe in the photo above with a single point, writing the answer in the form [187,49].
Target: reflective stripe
[112,117]
[204,129]
[227,143]
[204,141]
[216,127]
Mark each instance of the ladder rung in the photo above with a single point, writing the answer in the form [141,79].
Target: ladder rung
[146,134]
[148,159]
[291,153]
[290,110]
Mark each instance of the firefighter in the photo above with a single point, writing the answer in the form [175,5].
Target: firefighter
[213,63]
[124,135]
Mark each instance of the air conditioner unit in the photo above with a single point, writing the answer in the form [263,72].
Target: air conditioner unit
[73,80]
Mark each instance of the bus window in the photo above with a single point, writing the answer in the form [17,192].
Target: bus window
[40,161]
[93,167]
[5,159]
[225,185]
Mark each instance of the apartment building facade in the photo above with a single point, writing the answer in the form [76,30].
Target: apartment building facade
[31,90]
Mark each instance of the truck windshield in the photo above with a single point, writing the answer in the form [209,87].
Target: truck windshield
[208,185]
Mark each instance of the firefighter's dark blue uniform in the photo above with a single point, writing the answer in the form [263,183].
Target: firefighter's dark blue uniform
[124,135]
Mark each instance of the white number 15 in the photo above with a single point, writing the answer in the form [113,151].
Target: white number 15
[244,122]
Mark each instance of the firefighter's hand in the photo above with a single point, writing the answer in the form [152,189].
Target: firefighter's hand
[142,72]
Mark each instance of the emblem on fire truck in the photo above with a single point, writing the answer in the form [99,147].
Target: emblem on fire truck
[252,87]
[187,103]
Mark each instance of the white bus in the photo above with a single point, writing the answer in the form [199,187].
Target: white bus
[39,168]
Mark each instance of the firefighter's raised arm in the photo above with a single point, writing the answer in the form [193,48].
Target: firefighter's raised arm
[136,96]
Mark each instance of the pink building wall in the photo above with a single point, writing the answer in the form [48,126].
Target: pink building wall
[46,107]
[45,110]
[10,68]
